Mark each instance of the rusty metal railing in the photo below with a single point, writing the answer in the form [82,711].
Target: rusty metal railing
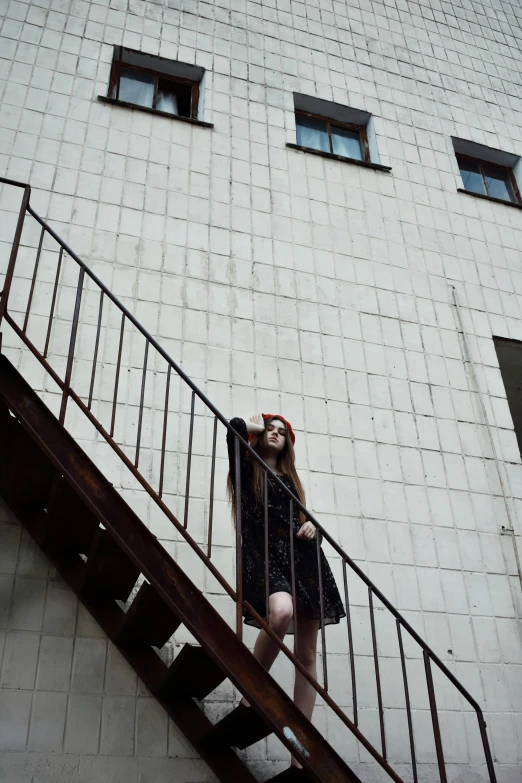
[66,260]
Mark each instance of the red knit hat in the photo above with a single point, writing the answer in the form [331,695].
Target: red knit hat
[277,416]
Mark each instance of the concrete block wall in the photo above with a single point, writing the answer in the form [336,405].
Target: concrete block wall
[284,281]
[71,708]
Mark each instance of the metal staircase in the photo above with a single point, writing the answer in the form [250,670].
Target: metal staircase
[104,551]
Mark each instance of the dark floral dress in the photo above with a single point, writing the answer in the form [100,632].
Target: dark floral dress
[253,548]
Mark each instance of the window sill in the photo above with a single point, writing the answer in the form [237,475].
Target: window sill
[490,198]
[125,104]
[364,163]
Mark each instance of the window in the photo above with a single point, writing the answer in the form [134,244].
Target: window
[320,133]
[331,129]
[488,172]
[487,179]
[155,83]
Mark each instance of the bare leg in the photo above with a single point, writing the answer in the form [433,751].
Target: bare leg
[306,652]
[265,650]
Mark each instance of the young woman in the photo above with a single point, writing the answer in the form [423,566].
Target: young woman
[272,437]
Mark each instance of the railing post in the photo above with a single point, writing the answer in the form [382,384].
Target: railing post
[377,673]
[189,461]
[72,344]
[142,400]
[96,346]
[321,607]
[487,749]
[4,296]
[53,303]
[212,477]
[267,554]
[435,718]
[350,644]
[164,436]
[408,705]
[117,376]
[239,539]
[33,281]
[292,574]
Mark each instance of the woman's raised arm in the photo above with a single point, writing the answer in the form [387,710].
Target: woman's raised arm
[243,428]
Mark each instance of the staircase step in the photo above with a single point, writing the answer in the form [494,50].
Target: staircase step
[192,673]
[239,729]
[148,621]
[291,775]
[108,570]
[70,524]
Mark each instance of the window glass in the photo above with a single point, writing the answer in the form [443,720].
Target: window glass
[346,143]
[471,176]
[174,98]
[312,133]
[498,183]
[136,87]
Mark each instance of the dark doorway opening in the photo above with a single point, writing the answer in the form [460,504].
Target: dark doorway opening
[509,354]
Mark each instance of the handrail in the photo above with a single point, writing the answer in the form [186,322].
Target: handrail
[295,505]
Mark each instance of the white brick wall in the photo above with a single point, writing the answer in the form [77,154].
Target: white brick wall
[71,708]
[286,282]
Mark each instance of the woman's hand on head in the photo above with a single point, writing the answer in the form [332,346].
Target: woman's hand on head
[256,423]
[307,532]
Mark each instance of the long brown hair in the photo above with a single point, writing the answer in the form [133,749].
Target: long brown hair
[285,465]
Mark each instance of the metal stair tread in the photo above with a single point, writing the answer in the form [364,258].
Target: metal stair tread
[241,728]
[148,621]
[108,569]
[192,673]
[291,775]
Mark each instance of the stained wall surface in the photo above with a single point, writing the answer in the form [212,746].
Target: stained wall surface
[289,282]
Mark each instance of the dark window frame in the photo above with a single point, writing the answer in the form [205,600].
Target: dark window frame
[360,129]
[506,169]
[114,85]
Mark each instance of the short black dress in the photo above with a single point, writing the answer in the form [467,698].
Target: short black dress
[253,548]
